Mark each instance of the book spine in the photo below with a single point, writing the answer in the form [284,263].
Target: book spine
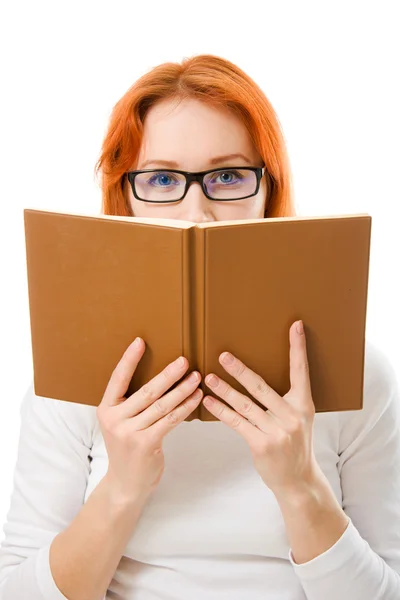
[193,304]
[188,346]
[198,317]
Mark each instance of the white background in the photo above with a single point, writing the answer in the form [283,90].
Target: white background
[330,69]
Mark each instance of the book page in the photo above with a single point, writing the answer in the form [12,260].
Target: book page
[145,220]
[277,219]
[182,224]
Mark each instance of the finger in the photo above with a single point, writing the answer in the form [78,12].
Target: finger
[123,373]
[162,406]
[155,388]
[257,387]
[299,368]
[163,426]
[235,421]
[243,405]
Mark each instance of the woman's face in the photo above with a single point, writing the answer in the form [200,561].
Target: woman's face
[191,134]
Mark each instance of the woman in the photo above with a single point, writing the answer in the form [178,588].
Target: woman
[277,504]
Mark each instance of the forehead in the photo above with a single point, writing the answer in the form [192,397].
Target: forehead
[190,130]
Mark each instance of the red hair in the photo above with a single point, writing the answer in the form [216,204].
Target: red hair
[212,80]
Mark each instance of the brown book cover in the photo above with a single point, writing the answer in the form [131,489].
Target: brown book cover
[97,282]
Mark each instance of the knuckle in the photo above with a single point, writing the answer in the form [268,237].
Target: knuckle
[247,408]
[306,418]
[148,393]
[240,368]
[309,413]
[121,435]
[121,374]
[151,442]
[228,392]
[306,414]
[282,437]
[172,417]
[261,388]
[295,426]
[160,407]
[236,421]
[107,424]
[107,427]
[117,432]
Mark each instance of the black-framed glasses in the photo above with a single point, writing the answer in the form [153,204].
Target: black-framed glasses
[167,185]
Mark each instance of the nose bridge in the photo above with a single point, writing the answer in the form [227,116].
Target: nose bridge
[192,178]
[197,208]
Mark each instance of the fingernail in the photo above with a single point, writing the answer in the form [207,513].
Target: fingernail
[211,380]
[136,342]
[180,361]
[300,327]
[197,394]
[208,401]
[193,376]
[227,358]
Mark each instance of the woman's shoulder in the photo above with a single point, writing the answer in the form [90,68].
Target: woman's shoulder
[381,384]
[381,397]
[59,415]
[379,371]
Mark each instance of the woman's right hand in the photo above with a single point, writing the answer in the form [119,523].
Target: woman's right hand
[133,428]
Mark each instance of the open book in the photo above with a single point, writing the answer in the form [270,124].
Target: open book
[97,282]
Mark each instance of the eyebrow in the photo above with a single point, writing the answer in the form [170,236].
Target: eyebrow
[213,161]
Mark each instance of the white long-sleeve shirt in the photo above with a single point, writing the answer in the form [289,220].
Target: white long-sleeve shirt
[212,529]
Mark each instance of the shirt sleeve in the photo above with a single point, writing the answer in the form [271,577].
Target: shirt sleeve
[364,564]
[50,479]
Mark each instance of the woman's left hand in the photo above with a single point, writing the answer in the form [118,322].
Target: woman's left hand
[280,439]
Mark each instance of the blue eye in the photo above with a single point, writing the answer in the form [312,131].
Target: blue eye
[239,177]
[161,176]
